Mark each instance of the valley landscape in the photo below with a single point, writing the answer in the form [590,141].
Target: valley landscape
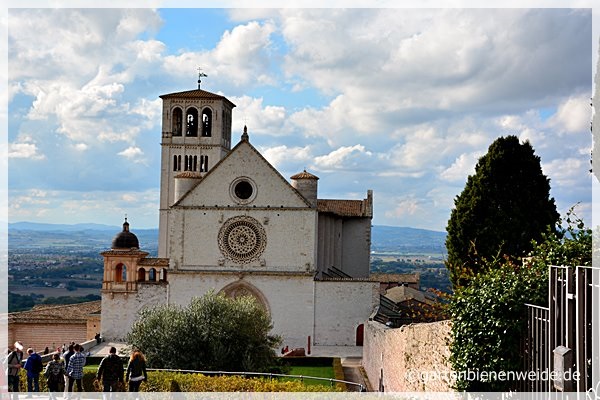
[61,264]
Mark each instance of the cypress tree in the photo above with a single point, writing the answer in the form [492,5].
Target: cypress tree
[504,206]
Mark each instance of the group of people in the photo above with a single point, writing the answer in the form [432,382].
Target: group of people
[66,370]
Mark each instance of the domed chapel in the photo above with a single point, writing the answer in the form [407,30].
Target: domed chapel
[230,222]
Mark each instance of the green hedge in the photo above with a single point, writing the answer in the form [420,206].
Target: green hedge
[159,381]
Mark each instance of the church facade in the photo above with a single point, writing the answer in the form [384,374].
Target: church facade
[230,222]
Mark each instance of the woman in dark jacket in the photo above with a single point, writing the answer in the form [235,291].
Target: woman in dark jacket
[136,371]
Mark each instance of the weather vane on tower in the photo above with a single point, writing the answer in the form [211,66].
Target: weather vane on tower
[200,75]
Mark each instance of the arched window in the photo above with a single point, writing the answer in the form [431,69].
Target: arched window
[163,275]
[191,119]
[195,166]
[152,275]
[177,121]
[120,273]
[206,122]
[141,275]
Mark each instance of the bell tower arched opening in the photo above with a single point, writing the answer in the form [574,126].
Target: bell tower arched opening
[177,121]
[191,118]
[206,122]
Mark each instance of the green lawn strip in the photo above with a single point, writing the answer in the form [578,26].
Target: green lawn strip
[319,372]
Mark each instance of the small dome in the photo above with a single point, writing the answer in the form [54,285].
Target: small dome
[304,175]
[125,239]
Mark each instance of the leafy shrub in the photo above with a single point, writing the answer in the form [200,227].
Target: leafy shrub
[488,314]
[162,381]
[214,332]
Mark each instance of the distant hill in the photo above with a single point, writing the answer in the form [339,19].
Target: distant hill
[405,239]
[31,234]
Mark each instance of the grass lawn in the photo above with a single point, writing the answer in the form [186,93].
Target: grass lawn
[320,372]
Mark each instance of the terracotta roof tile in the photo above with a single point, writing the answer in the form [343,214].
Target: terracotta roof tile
[68,313]
[162,262]
[195,94]
[304,175]
[343,208]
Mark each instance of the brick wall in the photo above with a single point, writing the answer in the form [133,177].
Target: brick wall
[41,335]
[413,358]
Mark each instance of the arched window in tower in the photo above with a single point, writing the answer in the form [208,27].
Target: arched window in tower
[206,122]
[163,275]
[141,275]
[195,165]
[191,119]
[185,163]
[174,163]
[152,275]
[177,121]
[120,273]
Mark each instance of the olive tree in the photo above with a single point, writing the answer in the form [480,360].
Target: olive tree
[213,332]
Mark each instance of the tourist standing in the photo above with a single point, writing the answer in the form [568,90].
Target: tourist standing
[136,371]
[75,368]
[110,371]
[54,373]
[33,366]
[13,363]
[67,356]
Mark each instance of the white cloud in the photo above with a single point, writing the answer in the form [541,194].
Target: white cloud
[462,167]
[259,118]
[280,155]
[574,115]
[344,158]
[131,152]
[24,150]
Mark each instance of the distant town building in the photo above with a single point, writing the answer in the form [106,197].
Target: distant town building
[54,325]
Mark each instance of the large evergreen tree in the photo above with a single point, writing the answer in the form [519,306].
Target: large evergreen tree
[504,206]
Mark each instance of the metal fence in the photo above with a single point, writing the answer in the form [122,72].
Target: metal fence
[565,336]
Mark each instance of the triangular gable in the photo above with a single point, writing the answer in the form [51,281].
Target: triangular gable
[272,189]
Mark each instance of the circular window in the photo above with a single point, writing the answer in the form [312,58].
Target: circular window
[242,239]
[243,190]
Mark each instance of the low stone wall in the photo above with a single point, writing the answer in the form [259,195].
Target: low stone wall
[413,358]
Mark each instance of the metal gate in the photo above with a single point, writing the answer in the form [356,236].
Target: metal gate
[565,336]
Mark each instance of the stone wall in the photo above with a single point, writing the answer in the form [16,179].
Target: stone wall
[413,358]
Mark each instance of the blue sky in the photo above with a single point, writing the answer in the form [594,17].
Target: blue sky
[401,101]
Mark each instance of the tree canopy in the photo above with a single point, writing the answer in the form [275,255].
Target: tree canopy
[504,206]
[213,332]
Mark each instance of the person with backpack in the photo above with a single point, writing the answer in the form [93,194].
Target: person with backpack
[13,364]
[54,373]
[33,366]
[110,371]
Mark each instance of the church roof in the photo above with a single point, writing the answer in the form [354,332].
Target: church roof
[396,278]
[304,175]
[64,314]
[195,94]
[343,208]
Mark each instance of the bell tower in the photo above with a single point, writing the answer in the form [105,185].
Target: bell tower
[196,134]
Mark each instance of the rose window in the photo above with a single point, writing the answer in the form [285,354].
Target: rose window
[242,239]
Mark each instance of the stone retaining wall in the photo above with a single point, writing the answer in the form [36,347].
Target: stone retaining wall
[413,358]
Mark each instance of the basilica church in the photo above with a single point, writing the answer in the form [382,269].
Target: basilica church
[230,222]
